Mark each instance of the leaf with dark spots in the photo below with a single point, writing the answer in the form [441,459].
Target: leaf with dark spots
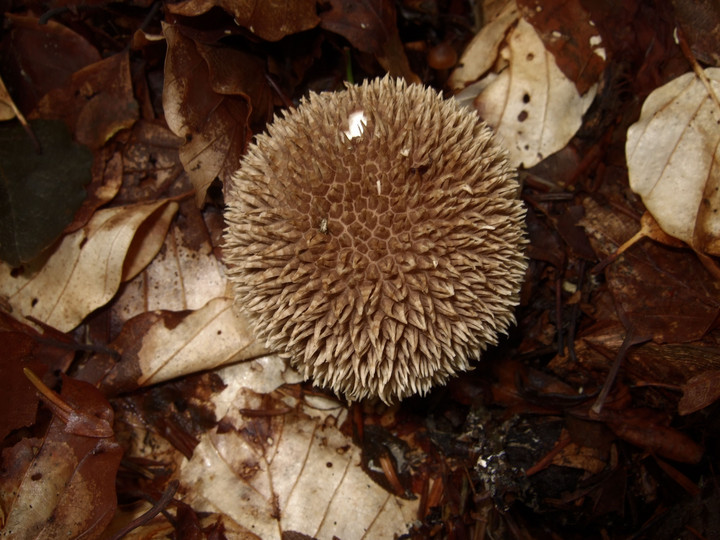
[570,35]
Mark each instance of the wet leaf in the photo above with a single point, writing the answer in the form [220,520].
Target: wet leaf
[85,270]
[39,194]
[672,156]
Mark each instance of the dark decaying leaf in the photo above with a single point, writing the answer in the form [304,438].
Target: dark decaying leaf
[39,194]
[268,20]
[700,391]
[664,292]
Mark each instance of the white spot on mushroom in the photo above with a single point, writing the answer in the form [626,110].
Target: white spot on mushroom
[356,124]
[405,152]
[379,187]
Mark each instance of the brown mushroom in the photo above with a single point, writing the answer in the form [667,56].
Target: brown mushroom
[375,238]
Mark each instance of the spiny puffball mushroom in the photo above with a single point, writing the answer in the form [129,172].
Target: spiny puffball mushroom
[375,238]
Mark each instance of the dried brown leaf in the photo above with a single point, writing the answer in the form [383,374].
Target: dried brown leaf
[371,26]
[699,392]
[568,33]
[664,292]
[160,345]
[269,20]
[42,57]
[97,103]
[214,125]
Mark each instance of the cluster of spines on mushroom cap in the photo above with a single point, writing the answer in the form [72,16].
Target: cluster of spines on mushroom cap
[379,263]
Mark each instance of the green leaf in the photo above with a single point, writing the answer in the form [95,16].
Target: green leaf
[39,193]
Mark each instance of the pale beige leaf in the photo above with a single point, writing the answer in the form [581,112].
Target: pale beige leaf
[302,475]
[86,269]
[481,53]
[531,104]
[203,339]
[673,155]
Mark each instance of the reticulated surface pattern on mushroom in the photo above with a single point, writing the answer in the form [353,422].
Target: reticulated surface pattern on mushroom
[375,238]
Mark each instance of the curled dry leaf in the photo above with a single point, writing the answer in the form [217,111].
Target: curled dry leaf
[530,103]
[201,106]
[278,469]
[482,51]
[673,156]
[87,267]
